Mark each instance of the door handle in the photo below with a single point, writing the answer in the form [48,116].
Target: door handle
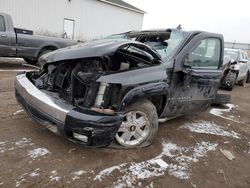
[3,36]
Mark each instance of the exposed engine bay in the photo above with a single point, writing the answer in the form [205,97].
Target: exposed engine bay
[75,80]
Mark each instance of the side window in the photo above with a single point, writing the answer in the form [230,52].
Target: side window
[206,55]
[2,25]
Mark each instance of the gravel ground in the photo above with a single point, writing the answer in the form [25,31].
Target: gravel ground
[186,152]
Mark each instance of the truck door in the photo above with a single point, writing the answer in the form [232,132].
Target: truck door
[5,46]
[195,84]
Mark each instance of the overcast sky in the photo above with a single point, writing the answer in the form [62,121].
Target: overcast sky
[228,17]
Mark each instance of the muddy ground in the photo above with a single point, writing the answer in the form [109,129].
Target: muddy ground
[186,152]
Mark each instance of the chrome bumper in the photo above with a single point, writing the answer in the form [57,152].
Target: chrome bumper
[47,104]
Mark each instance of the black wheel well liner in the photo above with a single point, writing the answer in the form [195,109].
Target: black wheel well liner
[49,47]
[159,102]
[156,93]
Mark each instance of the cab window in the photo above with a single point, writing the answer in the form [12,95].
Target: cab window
[2,25]
[206,55]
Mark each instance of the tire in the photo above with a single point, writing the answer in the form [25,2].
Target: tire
[44,52]
[222,99]
[248,77]
[231,80]
[35,61]
[140,125]
[243,81]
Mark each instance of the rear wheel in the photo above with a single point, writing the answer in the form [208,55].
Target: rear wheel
[248,77]
[45,51]
[140,125]
[231,80]
[30,61]
[34,61]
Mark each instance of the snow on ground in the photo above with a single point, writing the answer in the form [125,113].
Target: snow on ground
[54,176]
[18,112]
[3,146]
[12,145]
[108,171]
[21,179]
[35,173]
[77,174]
[181,160]
[23,142]
[220,112]
[207,127]
[38,152]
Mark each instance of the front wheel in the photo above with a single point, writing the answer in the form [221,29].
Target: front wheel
[140,125]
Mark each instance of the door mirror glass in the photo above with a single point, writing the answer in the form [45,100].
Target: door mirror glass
[206,55]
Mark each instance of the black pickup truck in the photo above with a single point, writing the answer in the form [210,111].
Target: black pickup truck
[15,42]
[116,89]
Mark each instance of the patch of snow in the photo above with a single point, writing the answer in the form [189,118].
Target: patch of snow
[18,183]
[54,176]
[77,174]
[23,142]
[207,127]
[108,171]
[181,157]
[219,112]
[18,112]
[3,143]
[3,146]
[1,183]
[161,163]
[21,179]
[8,146]
[38,152]
[151,185]
[35,173]
[193,185]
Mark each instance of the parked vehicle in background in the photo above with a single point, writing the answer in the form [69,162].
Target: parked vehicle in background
[236,68]
[117,89]
[15,42]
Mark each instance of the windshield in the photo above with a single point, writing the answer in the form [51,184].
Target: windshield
[166,46]
[165,42]
[229,54]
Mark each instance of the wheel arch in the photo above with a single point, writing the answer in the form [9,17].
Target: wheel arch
[156,93]
[46,47]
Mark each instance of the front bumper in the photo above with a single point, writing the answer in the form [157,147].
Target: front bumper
[64,119]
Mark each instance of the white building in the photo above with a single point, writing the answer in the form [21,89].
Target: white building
[78,19]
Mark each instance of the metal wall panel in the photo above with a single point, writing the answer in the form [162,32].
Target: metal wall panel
[92,18]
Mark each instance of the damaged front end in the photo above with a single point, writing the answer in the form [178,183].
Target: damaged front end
[80,92]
